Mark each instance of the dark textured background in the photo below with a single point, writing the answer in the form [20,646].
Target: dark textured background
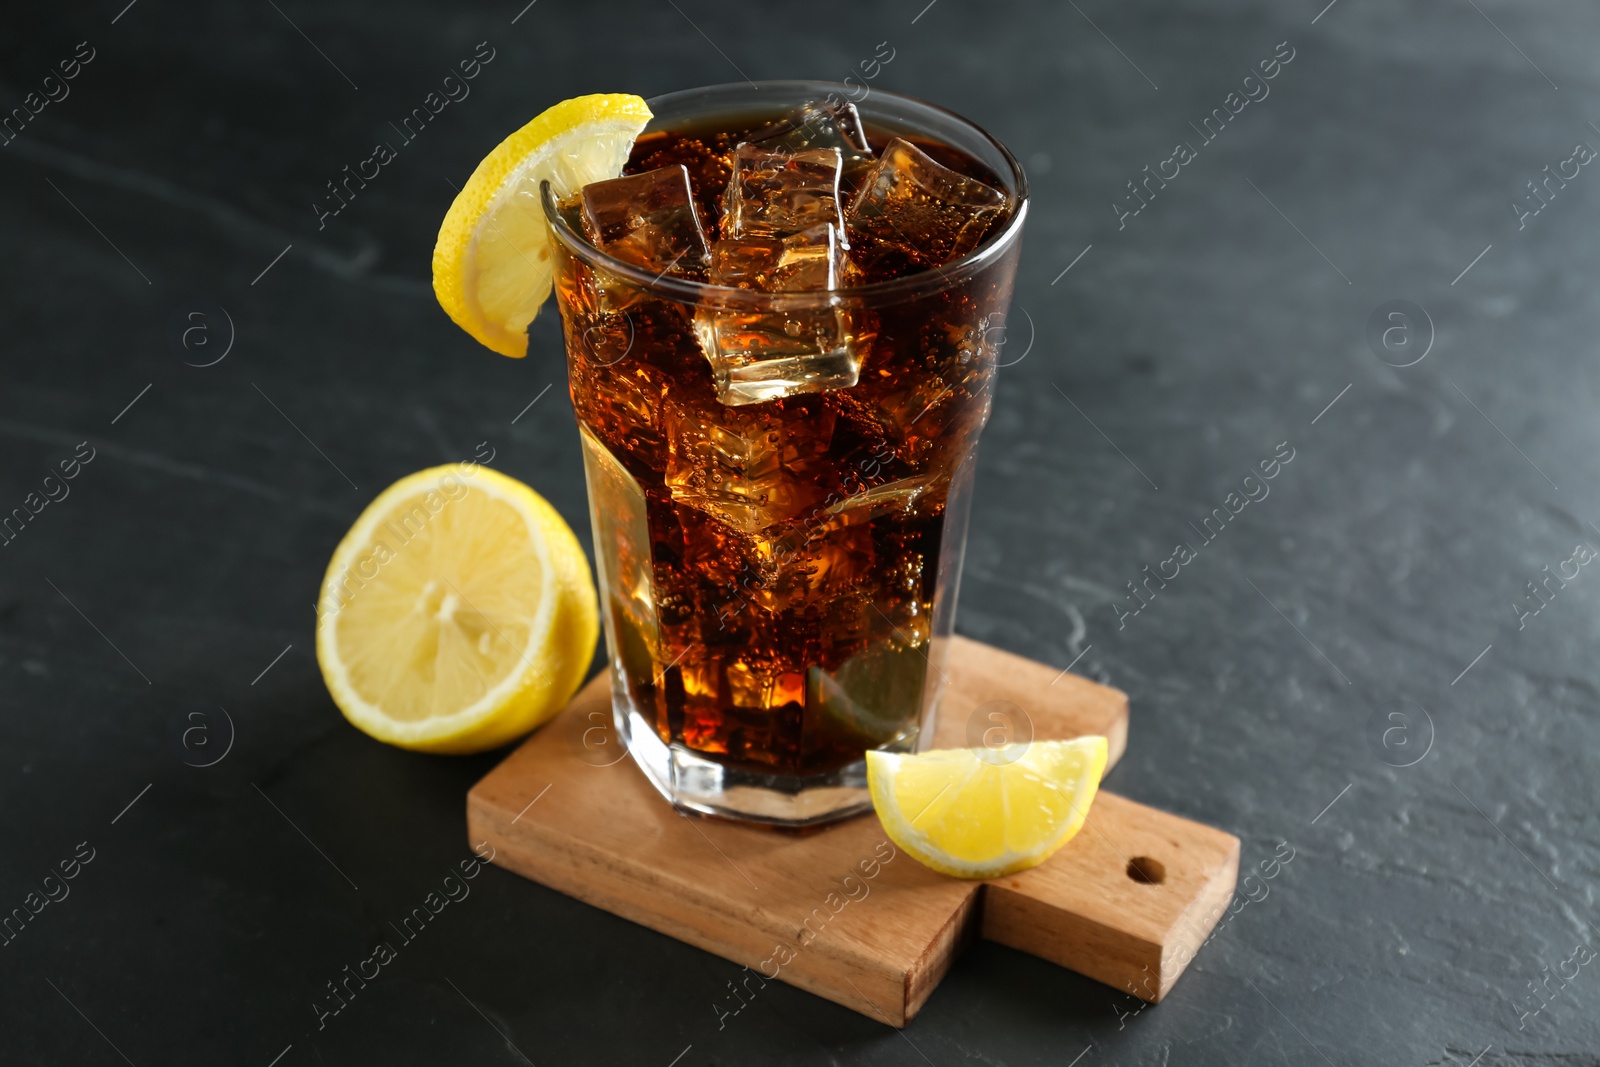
[188,554]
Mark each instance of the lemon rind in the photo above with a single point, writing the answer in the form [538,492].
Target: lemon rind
[501,173]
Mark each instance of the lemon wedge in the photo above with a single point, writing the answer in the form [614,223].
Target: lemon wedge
[982,813]
[457,614]
[492,262]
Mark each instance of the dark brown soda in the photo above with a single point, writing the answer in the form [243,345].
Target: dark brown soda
[790,635]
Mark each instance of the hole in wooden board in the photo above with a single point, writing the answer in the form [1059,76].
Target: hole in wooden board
[1146,871]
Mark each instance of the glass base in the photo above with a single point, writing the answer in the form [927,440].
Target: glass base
[692,782]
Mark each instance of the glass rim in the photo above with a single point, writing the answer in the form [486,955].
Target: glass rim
[887,291]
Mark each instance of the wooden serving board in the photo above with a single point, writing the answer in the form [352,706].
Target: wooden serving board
[840,911]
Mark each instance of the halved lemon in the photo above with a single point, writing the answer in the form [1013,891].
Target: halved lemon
[491,263]
[457,614]
[982,813]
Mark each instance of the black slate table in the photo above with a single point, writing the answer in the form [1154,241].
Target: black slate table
[1353,671]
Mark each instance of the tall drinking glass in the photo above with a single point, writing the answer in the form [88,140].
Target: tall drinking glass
[779,541]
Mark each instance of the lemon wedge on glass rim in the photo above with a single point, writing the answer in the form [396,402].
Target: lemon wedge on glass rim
[457,614]
[492,263]
[982,813]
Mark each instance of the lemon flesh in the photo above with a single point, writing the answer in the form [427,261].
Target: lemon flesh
[982,813]
[492,264]
[457,614]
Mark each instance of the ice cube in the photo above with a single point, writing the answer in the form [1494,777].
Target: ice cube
[916,425]
[762,355]
[706,157]
[813,565]
[778,194]
[818,125]
[756,369]
[810,259]
[627,577]
[913,212]
[829,523]
[757,683]
[892,498]
[751,469]
[823,558]
[647,219]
